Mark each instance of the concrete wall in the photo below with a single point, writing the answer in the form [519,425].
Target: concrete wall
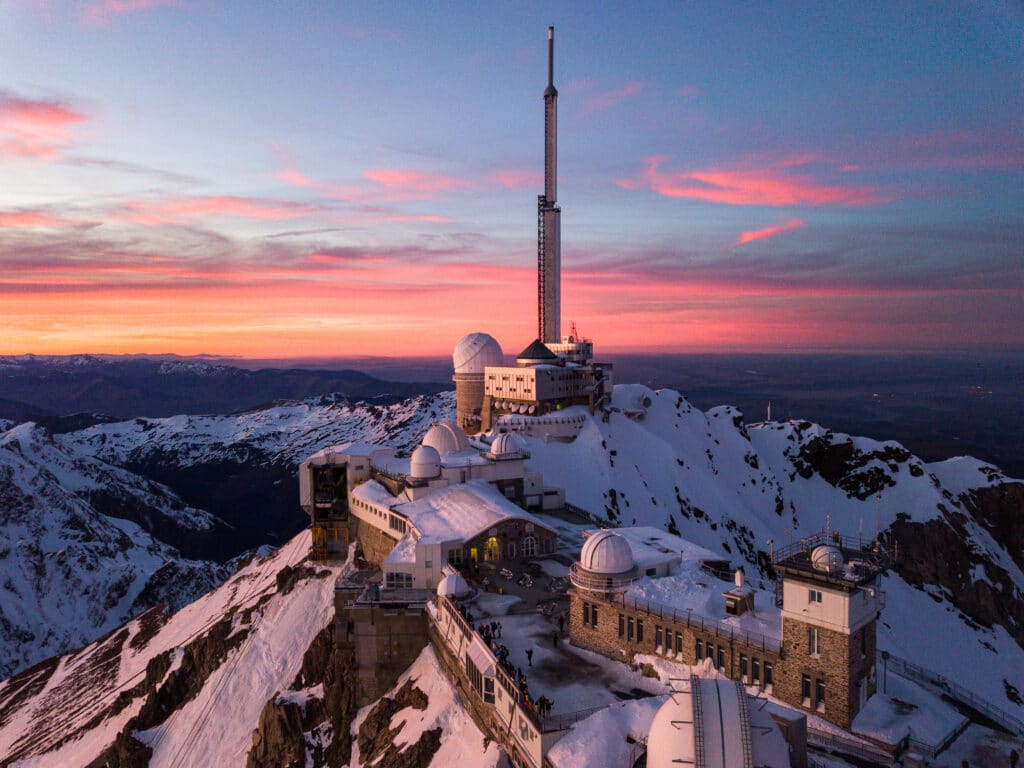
[839,609]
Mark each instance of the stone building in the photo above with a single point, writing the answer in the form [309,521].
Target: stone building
[816,651]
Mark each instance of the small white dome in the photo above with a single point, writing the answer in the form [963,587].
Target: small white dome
[827,558]
[445,437]
[606,553]
[475,351]
[507,446]
[453,585]
[425,462]
[671,739]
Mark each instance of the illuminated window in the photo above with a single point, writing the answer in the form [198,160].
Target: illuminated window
[491,549]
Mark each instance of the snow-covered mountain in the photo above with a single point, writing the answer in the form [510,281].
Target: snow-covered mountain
[954,600]
[88,537]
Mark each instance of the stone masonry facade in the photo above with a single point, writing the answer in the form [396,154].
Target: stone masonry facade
[618,631]
[826,682]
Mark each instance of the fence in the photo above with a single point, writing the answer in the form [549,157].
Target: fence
[601,521]
[956,692]
[833,742]
[695,621]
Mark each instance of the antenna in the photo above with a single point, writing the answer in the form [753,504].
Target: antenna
[551,56]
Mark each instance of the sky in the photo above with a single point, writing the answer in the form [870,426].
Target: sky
[321,179]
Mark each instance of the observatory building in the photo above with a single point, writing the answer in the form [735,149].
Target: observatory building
[643,590]
[554,372]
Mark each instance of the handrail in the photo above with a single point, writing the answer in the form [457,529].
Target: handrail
[695,620]
[955,691]
[832,741]
[587,515]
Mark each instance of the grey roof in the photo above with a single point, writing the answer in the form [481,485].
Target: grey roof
[537,351]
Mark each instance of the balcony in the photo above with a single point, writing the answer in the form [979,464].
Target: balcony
[600,582]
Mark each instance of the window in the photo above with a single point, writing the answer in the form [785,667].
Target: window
[819,695]
[768,680]
[805,690]
[396,523]
[630,628]
[586,614]
[529,546]
[813,642]
[755,671]
[488,690]
[743,668]
[679,643]
[593,616]
[658,637]
[700,649]
[622,625]
[398,580]
[455,556]
[639,630]
[428,564]
[814,596]
[721,657]
[491,549]
[511,550]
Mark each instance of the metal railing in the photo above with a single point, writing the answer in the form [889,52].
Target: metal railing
[596,582]
[832,742]
[696,621]
[581,512]
[954,691]
[869,550]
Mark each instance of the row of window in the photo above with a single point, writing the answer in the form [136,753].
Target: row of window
[663,641]
[590,615]
[819,692]
[631,629]
[398,580]
[397,523]
[755,671]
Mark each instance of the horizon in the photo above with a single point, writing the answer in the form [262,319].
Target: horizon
[265,182]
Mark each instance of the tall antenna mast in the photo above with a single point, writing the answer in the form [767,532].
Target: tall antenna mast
[549,217]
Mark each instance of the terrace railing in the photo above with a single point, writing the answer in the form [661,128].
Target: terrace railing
[956,692]
[833,742]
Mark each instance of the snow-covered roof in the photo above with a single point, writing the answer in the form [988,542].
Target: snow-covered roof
[606,553]
[348,450]
[404,552]
[373,492]
[460,512]
[653,546]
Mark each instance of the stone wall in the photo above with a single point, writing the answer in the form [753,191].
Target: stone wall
[838,664]
[375,543]
[605,638]
[510,531]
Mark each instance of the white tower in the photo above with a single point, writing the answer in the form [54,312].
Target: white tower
[549,218]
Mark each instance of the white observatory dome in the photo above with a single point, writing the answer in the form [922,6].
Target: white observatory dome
[475,351]
[425,462]
[827,558]
[671,740]
[507,446]
[444,437]
[453,585]
[606,553]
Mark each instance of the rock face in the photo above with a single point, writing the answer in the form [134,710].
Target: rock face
[376,736]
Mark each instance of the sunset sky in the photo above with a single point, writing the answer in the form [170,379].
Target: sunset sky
[324,179]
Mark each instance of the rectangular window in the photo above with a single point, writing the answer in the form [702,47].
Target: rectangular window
[743,668]
[639,630]
[658,638]
[586,614]
[455,556]
[819,695]
[630,628]
[679,643]
[755,671]
[429,564]
[622,625]
[805,690]
[593,616]
[721,657]
[768,680]
[700,649]
[814,595]
[488,690]
[813,641]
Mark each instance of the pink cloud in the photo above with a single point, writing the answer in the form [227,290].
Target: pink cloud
[99,13]
[173,210]
[28,218]
[35,128]
[772,231]
[611,98]
[289,174]
[774,184]
[517,178]
[400,184]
